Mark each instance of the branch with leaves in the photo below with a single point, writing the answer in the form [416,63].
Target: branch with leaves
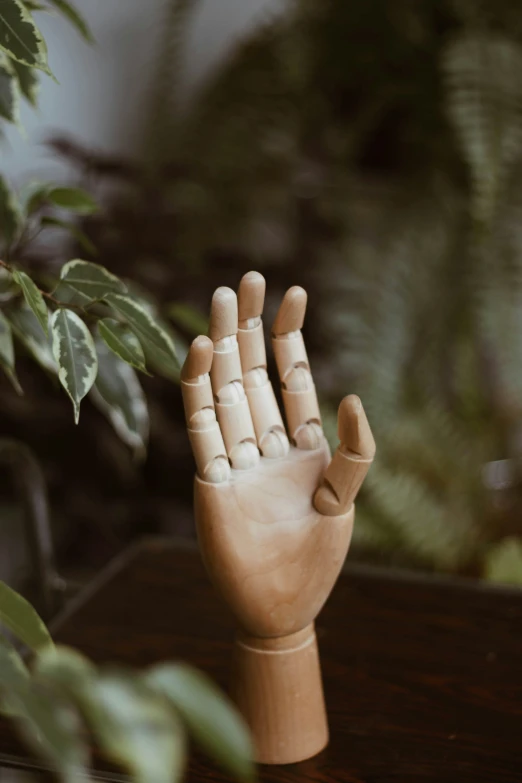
[139,720]
[90,329]
[23,53]
[91,332]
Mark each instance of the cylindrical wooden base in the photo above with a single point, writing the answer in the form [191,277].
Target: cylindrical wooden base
[278,689]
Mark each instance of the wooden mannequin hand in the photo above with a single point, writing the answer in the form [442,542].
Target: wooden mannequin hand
[274,515]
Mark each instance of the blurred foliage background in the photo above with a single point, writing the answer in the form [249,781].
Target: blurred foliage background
[371,152]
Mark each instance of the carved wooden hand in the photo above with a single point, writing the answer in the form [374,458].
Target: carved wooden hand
[274,514]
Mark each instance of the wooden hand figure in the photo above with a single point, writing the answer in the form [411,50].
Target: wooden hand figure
[274,514]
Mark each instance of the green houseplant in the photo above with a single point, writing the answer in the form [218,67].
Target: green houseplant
[82,324]
[139,720]
[92,332]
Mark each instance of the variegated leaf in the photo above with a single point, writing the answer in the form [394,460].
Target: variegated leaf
[117,393]
[155,341]
[157,362]
[20,37]
[75,18]
[27,329]
[27,81]
[7,359]
[8,92]
[10,213]
[89,282]
[33,297]
[75,355]
[123,342]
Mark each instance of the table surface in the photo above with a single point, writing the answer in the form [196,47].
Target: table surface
[423,677]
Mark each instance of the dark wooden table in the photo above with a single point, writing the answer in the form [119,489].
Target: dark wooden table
[423,678]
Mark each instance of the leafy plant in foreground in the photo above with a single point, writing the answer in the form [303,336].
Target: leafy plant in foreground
[139,720]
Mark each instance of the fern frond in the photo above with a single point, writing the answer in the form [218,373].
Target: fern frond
[167,80]
[434,529]
[484,102]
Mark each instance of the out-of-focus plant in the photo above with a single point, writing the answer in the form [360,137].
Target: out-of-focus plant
[438,328]
[139,720]
[369,151]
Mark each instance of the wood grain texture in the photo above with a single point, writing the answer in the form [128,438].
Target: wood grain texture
[275,559]
[277,686]
[422,679]
[351,461]
[271,555]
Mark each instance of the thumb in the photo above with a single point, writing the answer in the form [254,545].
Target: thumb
[350,463]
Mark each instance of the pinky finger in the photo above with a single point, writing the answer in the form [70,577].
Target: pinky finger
[203,429]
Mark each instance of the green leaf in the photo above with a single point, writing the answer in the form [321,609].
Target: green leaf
[10,213]
[20,37]
[8,287]
[13,674]
[73,229]
[123,342]
[33,5]
[134,728]
[90,282]
[33,297]
[212,720]
[53,729]
[27,81]
[8,93]
[155,341]
[13,670]
[65,667]
[117,393]
[189,318]
[21,618]
[74,199]
[27,329]
[75,355]
[504,562]
[7,359]
[33,195]
[142,297]
[156,361]
[74,17]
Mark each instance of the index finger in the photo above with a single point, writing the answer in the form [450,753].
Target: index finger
[203,429]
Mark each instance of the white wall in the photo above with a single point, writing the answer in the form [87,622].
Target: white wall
[100,96]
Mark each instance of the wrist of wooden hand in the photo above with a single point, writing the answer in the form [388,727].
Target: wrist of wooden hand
[277,687]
